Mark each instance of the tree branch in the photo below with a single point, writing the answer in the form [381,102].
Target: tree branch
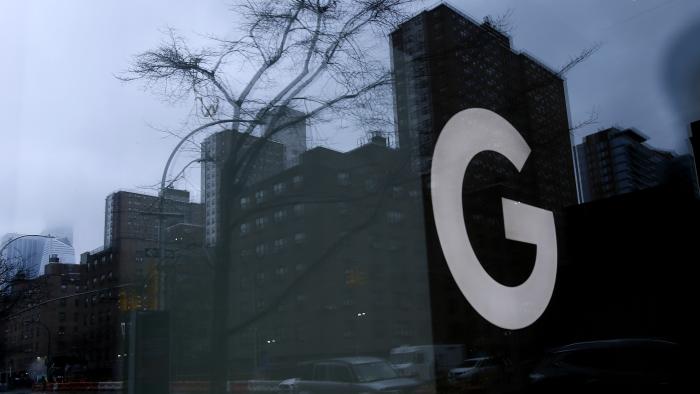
[580,58]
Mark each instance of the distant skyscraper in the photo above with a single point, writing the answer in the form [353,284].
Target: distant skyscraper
[62,233]
[31,253]
[615,161]
[24,253]
[292,134]
[58,248]
[268,161]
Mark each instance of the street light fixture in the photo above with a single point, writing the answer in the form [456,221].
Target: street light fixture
[48,347]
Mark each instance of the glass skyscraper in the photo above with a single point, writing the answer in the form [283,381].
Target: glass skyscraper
[31,253]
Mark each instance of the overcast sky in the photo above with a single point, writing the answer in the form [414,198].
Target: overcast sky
[71,133]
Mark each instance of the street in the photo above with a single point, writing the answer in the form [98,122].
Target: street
[28,391]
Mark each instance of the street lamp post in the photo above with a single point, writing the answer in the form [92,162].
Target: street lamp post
[361,316]
[48,346]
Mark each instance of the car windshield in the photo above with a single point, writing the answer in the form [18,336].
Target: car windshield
[471,363]
[372,372]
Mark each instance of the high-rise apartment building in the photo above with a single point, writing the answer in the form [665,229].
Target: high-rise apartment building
[287,127]
[132,238]
[616,161]
[78,318]
[329,260]
[128,274]
[267,161]
[45,330]
[136,217]
[445,62]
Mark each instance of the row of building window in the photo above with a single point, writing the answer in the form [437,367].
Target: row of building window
[343,179]
[278,216]
[278,188]
[276,246]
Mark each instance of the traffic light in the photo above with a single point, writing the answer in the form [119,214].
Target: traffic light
[123,301]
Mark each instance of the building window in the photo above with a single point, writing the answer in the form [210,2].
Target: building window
[371,185]
[394,217]
[299,237]
[279,188]
[280,243]
[280,215]
[298,180]
[261,222]
[298,209]
[260,196]
[343,178]
[245,228]
[245,202]
[281,271]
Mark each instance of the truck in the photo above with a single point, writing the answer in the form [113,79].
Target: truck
[426,362]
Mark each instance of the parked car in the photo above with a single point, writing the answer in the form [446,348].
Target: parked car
[645,365]
[19,381]
[477,371]
[348,375]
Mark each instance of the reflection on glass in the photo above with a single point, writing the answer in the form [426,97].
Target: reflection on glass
[274,256]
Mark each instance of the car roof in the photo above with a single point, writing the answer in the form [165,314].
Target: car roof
[614,343]
[348,360]
[478,358]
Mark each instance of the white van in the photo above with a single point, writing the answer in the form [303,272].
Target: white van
[426,362]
